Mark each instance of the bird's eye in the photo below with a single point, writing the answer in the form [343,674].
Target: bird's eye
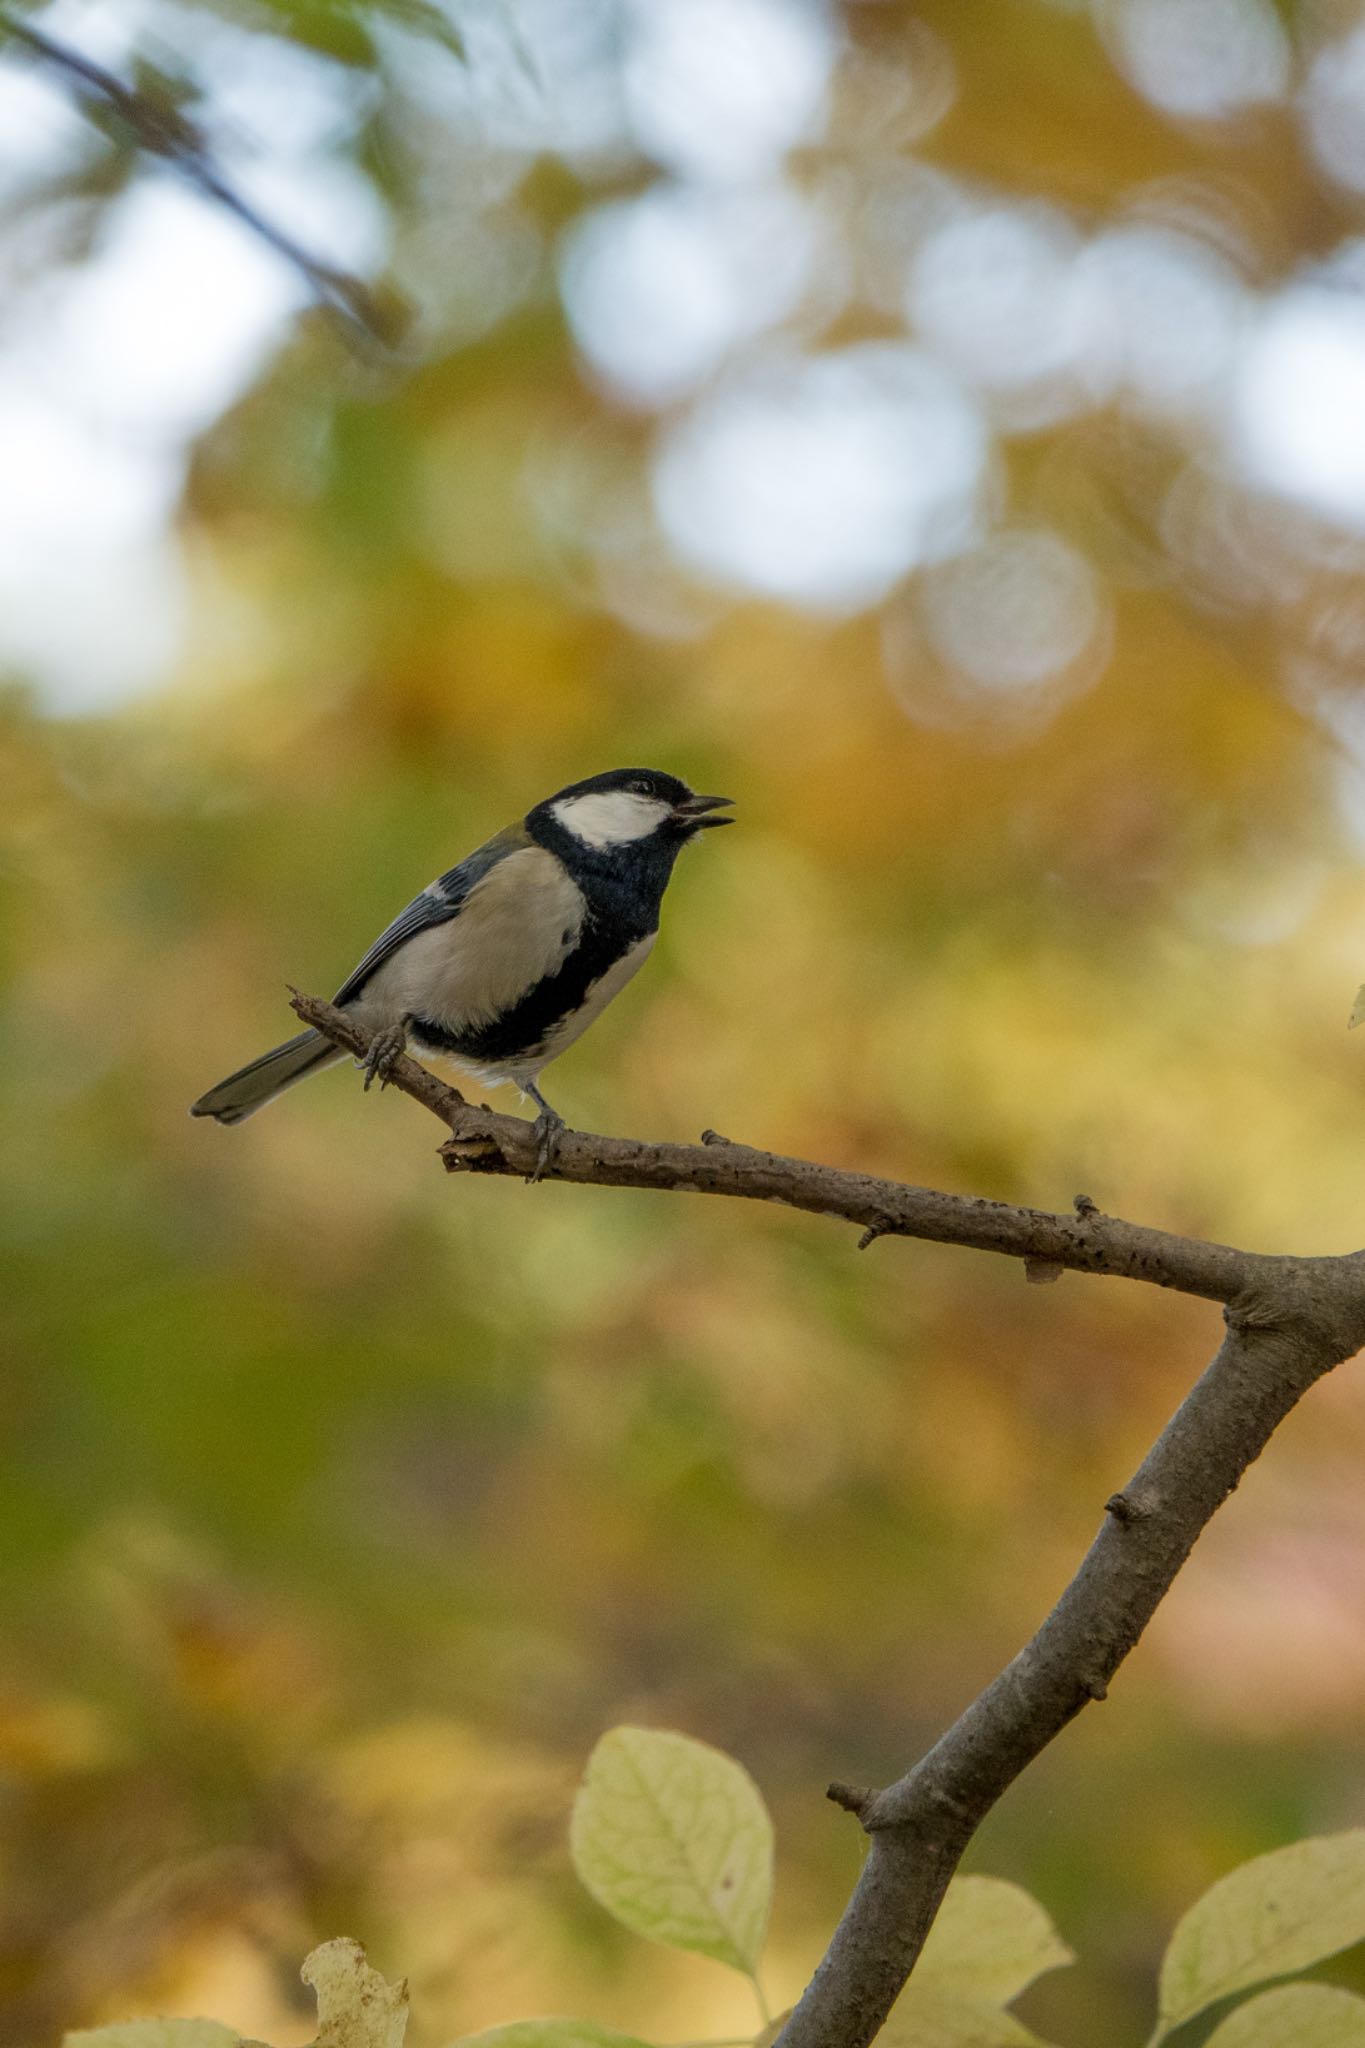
[638,788]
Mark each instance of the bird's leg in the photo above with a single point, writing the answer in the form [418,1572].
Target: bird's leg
[386,1049]
[546,1130]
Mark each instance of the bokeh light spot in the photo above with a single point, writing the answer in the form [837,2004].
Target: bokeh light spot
[659,288]
[1333,107]
[1204,59]
[1015,613]
[1299,400]
[998,293]
[882,103]
[823,480]
[723,88]
[1172,312]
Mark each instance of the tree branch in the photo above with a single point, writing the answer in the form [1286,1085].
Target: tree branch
[1289,1322]
[481,1141]
[1277,1345]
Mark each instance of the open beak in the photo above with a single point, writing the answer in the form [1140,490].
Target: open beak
[693,811]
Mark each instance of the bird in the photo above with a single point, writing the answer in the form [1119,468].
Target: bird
[503,961]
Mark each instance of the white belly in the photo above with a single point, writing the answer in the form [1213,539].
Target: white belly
[599,995]
[563,1034]
[516,927]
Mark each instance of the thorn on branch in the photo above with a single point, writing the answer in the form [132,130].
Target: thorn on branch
[710,1137]
[1085,1206]
[1251,1313]
[1127,1508]
[854,1799]
[874,1230]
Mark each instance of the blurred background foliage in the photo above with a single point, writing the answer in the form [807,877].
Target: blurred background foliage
[942,429]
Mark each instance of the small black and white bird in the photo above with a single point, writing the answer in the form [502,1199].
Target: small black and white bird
[503,962]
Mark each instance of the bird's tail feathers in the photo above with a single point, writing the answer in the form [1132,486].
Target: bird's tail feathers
[251,1087]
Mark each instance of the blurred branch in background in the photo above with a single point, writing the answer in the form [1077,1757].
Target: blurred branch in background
[157,124]
[1289,1322]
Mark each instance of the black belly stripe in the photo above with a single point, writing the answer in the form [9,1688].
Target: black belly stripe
[521,1031]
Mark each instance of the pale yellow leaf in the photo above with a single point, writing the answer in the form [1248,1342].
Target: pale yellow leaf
[1278,1913]
[551,2033]
[155,2034]
[990,1940]
[925,2017]
[1294,2016]
[673,1838]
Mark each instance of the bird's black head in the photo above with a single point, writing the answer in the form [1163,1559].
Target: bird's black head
[627,806]
[620,833]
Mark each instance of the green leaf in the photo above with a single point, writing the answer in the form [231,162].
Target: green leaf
[673,1838]
[1278,1913]
[990,1940]
[1295,2016]
[925,2017]
[425,16]
[155,2034]
[333,27]
[357,2008]
[551,2033]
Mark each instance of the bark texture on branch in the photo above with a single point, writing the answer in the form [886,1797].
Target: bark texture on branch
[1289,1321]
[1086,1241]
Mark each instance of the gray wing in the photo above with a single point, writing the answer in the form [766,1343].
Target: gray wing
[438,903]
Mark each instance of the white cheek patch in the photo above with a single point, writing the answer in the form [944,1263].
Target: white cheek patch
[611,817]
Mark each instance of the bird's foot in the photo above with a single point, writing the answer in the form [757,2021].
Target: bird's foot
[547,1130]
[386,1049]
